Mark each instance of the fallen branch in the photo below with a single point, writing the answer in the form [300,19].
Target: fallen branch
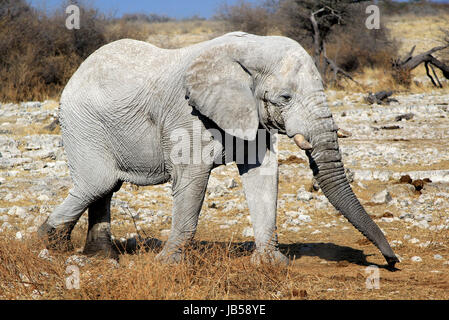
[411,62]
[381,97]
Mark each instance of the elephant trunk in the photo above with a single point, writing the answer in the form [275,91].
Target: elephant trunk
[328,169]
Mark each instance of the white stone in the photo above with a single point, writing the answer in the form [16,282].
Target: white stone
[77,260]
[18,212]
[43,197]
[416,259]
[165,232]
[248,232]
[304,195]
[232,183]
[382,197]
[45,255]
[114,264]
[232,222]
[438,257]
[304,218]
[5,226]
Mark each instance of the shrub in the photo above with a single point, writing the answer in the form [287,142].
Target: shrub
[38,54]
[348,42]
[247,17]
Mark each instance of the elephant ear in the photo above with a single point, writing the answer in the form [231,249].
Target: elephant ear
[220,87]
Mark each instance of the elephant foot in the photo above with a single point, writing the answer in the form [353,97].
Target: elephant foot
[273,257]
[170,258]
[99,242]
[59,238]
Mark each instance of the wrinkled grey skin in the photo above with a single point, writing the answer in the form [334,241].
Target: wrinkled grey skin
[119,109]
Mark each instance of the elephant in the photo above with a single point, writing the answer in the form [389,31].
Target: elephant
[130,108]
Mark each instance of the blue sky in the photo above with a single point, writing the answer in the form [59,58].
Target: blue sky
[172,8]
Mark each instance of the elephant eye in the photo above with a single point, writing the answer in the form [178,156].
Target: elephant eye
[286,97]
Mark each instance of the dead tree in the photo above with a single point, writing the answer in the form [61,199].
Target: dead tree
[320,46]
[410,62]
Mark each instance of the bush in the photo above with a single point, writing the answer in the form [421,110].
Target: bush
[349,43]
[38,54]
[246,17]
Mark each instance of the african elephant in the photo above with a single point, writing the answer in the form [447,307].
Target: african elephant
[121,109]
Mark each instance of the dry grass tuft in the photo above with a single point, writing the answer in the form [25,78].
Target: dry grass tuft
[210,271]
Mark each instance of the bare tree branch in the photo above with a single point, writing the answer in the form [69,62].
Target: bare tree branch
[410,63]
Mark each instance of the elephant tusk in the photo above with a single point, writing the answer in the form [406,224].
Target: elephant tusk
[301,142]
[343,133]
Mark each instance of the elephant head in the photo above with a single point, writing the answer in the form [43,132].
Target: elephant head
[271,81]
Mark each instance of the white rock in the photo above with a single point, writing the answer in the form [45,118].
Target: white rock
[114,264]
[423,224]
[291,213]
[304,218]
[165,232]
[438,257]
[45,255]
[396,243]
[232,222]
[77,260]
[232,183]
[18,212]
[382,197]
[424,244]
[304,195]
[19,235]
[43,197]
[416,259]
[248,232]
[426,217]
[5,226]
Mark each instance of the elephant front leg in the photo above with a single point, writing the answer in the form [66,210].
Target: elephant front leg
[188,196]
[260,184]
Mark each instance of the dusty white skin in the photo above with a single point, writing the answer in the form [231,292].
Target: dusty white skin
[120,109]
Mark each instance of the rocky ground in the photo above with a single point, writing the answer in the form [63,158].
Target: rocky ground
[397,160]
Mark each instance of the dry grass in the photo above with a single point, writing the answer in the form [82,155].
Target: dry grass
[214,271]
[221,270]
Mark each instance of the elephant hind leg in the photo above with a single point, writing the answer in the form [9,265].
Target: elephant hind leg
[99,240]
[56,230]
